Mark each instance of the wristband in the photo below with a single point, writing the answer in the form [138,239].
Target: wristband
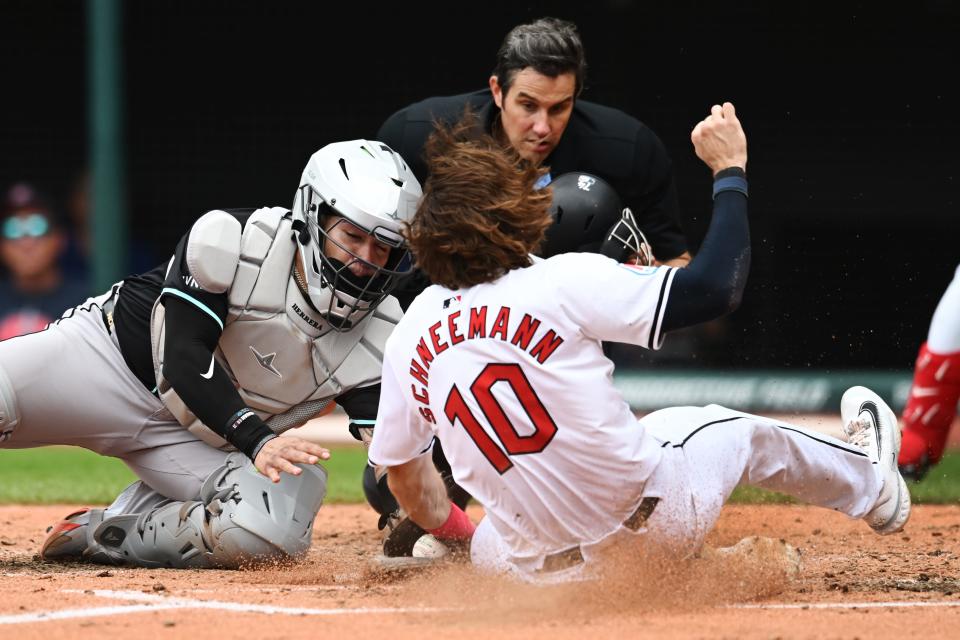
[457,527]
[730,184]
[731,171]
[256,449]
[730,179]
[247,432]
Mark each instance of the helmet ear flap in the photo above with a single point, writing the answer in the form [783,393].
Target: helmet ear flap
[301,232]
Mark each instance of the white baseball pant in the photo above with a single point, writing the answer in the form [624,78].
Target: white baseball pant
[708,452]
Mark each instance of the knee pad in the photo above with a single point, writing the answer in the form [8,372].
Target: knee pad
[9,414]
[272,520]
[242,518]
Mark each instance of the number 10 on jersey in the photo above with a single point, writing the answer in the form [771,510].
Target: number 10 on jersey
[511,442]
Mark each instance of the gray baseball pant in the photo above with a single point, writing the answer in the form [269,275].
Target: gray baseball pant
[72,387]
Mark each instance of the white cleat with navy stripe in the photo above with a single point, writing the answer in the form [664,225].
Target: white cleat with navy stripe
[870,424]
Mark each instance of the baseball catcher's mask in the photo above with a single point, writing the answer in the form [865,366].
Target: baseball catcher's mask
[351,194]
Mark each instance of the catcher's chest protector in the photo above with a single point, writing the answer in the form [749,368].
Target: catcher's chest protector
[284,359]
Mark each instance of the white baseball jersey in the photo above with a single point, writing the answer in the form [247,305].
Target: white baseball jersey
[512,378]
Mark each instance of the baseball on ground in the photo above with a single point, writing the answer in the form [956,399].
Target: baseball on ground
[429,547]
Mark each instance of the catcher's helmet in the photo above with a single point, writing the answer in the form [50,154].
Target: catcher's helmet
[584,209]
[369,185]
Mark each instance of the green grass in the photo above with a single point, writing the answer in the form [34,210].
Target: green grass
[942,484]
[70,475]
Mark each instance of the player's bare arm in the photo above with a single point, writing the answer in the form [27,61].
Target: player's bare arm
[422,495]
[420,491]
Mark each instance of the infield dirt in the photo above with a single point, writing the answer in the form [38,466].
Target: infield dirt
[847,575]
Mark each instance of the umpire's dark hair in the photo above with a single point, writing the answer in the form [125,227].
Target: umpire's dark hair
[550,46]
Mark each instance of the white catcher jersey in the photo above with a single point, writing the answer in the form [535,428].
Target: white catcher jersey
[512,378]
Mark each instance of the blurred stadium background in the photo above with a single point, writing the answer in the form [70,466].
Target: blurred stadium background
[850,111]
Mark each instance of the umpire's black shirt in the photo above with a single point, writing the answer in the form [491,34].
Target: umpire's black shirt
[599,140]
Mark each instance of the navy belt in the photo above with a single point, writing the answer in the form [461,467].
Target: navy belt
[573,556]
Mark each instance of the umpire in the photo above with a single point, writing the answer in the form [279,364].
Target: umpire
[533,105]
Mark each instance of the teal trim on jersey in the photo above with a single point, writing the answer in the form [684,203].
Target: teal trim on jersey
[639,270]
[193,301]
[364,421]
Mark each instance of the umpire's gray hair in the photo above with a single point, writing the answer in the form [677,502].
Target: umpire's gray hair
[550,46]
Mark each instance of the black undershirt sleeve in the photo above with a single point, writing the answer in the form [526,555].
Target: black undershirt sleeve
[361,407]
[191,338]
[712,284]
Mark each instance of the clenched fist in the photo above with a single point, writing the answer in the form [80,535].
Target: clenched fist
[719,139]
[280,454]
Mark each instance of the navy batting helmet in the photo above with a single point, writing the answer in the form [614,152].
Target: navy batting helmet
[584,209]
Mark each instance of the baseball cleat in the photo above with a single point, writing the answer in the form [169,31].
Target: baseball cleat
[916,471]
[67,539]
[871,425]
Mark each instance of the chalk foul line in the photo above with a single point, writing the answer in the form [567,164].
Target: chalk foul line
[145,602]
[896,604]
[153,602]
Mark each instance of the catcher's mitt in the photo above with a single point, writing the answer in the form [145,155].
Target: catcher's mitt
[409,540]
[399,542]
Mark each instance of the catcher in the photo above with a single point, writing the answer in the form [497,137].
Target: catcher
[261,320]
[501,360]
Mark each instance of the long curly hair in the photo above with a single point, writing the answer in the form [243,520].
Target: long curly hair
[480,215]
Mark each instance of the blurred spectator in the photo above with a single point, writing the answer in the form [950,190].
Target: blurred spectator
[34,289]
